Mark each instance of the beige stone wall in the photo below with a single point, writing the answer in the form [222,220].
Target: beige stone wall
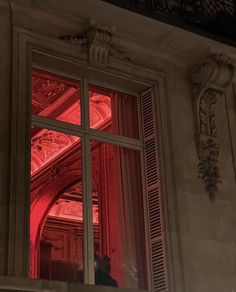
[202,236]
[206,228]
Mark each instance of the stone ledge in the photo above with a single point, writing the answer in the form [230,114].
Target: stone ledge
[14,284]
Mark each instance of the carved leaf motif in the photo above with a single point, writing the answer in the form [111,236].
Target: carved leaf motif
[210,79]
[207,168]
[47,144]
[45,92]
[202,116]
[212,114]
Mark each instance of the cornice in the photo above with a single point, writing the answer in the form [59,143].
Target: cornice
[30,16]
[135,33]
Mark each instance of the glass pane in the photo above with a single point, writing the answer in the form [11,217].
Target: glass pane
[55,97]
[56,215]
[119,243]
[113,111]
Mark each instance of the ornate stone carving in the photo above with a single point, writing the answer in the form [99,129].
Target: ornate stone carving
[97,40]
[48,144]
[210,79]
[76,40]
[99,43]
[45,92]
[57,170]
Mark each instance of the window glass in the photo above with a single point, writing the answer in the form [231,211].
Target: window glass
[113,111]
[57,207]
[119,246]
[55,97]
[56,217]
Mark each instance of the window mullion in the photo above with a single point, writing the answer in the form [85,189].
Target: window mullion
[55,125]
[122,141]
[87,214]
[87,191]
[85,115]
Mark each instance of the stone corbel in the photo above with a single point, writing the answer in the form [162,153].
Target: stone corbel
[98,41]
[210,79]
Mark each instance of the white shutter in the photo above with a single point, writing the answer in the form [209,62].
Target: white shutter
[154,204]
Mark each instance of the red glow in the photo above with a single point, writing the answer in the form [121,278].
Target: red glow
[57,98]
[56,215]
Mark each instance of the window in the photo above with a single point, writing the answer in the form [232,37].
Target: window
[82,120]
[87,211]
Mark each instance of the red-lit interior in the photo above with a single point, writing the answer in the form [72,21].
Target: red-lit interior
[56,232]
[59,99]
[56,198]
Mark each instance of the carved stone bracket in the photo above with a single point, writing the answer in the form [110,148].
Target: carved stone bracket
[98,41]
[210,78]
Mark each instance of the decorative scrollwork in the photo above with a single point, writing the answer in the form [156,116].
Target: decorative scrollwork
[208,170]
[97,41]
[46,145]
[210,79]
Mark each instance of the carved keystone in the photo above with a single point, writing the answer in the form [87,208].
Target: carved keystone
[210,78]
[99,43]
[97,39]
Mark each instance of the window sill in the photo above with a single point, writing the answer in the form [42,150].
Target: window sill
[8,283]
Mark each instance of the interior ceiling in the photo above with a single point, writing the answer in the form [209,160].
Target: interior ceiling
[57,98]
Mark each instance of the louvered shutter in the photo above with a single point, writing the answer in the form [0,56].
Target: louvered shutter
[154,202]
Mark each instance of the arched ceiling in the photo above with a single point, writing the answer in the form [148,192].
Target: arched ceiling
[58,98]
[69,204]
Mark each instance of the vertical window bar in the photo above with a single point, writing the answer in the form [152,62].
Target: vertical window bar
[87,191]
[85,116]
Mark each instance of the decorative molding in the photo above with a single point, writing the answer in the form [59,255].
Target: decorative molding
[97,41]
[45,92]
[79,40]
[48,144]
[58,170]
[210,79]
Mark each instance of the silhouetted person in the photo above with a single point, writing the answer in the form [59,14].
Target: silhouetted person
[102,268]
[103,272]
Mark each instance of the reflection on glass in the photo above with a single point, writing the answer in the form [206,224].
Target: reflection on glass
[113,111]
[119,234]
[55,97]
[56,215]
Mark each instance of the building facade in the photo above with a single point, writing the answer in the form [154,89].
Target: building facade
[117,146]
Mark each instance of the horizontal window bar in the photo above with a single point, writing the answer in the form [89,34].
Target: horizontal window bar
[100,136]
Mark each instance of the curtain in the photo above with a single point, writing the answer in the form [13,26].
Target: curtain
[125,205]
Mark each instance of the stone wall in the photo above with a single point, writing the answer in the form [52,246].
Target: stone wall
[202,237]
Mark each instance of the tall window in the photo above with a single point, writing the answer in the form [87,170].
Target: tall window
[87,220]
